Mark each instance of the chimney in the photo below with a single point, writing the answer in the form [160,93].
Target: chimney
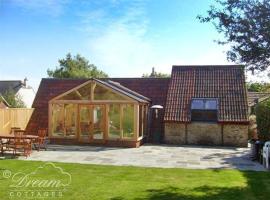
[24,81]
[153,74]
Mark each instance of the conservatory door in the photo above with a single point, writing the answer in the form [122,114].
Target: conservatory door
[91,122]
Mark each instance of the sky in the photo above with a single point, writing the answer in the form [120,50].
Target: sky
[124,38]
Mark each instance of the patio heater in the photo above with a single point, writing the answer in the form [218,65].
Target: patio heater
[156,123]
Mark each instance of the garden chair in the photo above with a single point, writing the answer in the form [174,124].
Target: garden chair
[13,129]
[5,142]
[41,140]
[2,147]
[266,154]
[20,143]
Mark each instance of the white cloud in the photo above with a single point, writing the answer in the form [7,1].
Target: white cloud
[119,41]
[124,51]
[121,47]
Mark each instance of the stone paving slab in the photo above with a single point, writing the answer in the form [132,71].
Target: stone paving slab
[164,156]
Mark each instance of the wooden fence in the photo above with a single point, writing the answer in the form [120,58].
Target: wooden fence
[14,117]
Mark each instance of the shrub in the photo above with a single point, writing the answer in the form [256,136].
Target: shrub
[263,119]
[252,128]
[13,99]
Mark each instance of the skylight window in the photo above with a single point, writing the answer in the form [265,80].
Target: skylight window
[204,104]
[204,109]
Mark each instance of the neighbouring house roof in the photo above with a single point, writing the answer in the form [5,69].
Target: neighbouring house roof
[256,97]
[26,93]
[3,101]
[14,85]
[226,83]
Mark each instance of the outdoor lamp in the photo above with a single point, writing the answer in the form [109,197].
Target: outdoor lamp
[156,108]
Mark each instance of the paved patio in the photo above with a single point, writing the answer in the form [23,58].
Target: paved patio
[164,156]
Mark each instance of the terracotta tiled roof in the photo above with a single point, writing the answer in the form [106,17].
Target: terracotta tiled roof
[153,88]
[226,83]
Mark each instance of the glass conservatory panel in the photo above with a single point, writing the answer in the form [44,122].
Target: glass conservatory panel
[128,121]
[58,125]
[141,120]
[71,96]
[98,122]
[70,119]
[101,93]
[85,92]
[85,118]
[114,121]
[145,120]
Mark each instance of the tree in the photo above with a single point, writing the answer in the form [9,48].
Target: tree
[13,99]
[246,27]
[258,87]
[155,74]
[75,67]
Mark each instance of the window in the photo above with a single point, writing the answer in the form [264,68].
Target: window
[70,119]
[141,120]
[143,112]
[71,96]
[211,104]
[98,120]
[204,109]
[85,118]
[114,121]
[197,104]
[102,93]
[128,120]
[64,120]
[121,121]
[85,92]
[145,119]
[99,93]
[58,115]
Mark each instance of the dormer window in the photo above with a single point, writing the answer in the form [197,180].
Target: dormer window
[204,109]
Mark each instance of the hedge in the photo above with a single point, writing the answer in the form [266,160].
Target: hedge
[263,119]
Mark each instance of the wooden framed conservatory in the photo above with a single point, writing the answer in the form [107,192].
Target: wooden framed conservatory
[98,112]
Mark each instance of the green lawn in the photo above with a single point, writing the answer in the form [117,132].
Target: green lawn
[121,183]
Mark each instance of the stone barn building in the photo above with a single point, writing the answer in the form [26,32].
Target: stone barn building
[207,105]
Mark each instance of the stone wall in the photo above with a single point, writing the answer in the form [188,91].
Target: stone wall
[204,133]
[199,133]
[175,133]
[235,135]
